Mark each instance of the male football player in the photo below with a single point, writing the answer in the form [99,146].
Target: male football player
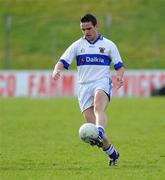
[94,54]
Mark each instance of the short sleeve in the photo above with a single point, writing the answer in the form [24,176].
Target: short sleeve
[68,55]
[115,57]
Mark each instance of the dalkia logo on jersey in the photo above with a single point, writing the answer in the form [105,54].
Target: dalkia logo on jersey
[102,49]
[92,59]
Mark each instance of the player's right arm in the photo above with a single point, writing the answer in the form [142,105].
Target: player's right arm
[57,70]
[65,60]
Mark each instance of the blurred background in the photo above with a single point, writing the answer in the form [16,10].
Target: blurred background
[34,33]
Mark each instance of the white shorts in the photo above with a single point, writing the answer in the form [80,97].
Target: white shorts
[87,92]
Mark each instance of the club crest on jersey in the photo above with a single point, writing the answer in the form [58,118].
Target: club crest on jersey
[102,49]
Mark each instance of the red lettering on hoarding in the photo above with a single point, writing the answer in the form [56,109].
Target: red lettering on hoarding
[43,85]
[151,79]
[42,89]
[136,83]
[53,87]
[8,85]
[114,89]
[31,84]
[133,82]
[141,82]
[126,85]
[1,85]
[68,85]
[11,85]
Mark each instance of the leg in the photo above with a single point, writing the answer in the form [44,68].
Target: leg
[100,104]
[91,118]
[96,115]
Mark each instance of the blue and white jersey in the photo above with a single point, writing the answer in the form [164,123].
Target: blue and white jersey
[93,58]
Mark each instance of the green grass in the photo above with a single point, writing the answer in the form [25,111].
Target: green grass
[39,140]
[42,30]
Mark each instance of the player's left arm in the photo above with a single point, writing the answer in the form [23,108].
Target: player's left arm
[120,76]
[118,64]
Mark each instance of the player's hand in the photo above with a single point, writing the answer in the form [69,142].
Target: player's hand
[56,74]
[120,81]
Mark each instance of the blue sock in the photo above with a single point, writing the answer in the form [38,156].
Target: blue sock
[111,152]
[101,131]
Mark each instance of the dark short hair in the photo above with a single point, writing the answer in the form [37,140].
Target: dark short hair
[89,18]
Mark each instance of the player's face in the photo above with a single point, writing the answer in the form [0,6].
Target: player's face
[89,30]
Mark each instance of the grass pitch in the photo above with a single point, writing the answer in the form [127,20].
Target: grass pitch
[39,140]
